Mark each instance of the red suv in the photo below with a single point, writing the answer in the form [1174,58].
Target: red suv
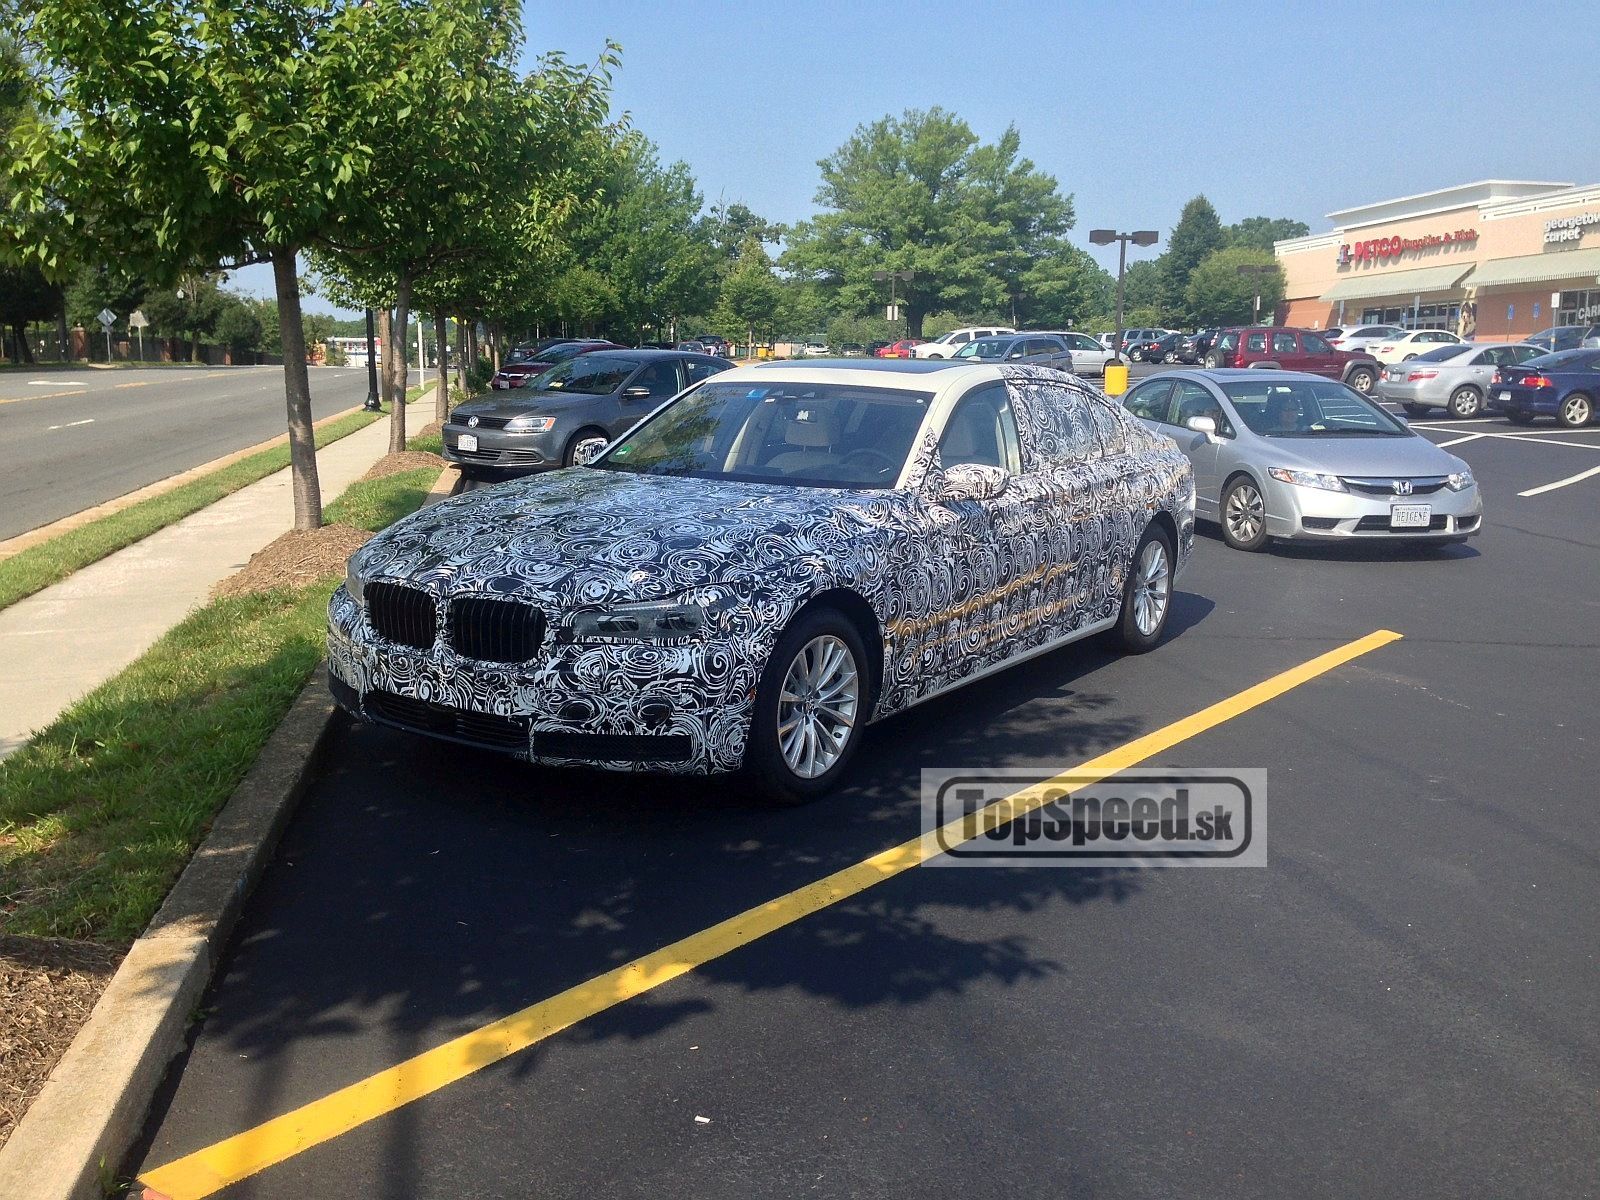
[1293,350]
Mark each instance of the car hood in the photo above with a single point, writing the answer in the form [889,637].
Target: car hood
[548,403]
[583,537]
[1362,456]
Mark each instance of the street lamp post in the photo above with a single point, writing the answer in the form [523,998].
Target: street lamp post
[891,276]
[1104,237]
[1258,272]
[372,404]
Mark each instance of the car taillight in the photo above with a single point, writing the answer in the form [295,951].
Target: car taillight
[1418,376]
[1384,349]
[1537,381]
[1495,378]
[1238,358]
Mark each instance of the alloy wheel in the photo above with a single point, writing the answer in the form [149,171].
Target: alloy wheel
[1245,513]
[1464,403]
[1152,588]
[1576,410]
[817,706]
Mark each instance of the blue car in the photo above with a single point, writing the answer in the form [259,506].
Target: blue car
[1565,385]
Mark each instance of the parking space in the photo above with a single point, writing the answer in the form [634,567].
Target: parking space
[1399,1003]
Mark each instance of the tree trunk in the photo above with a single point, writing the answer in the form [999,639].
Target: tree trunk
[402,321]
[297,393]
[385,355]
[474,351]
[62,341]
[461,354]
[494,346]
[441,386]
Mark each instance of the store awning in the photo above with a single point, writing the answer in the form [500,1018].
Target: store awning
[1580,266]
[1371,284]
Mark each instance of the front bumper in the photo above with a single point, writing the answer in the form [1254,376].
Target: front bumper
[503,449]
[682,708]
[1313,514]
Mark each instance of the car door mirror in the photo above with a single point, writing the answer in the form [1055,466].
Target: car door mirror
[967,481]
[636,393]
[1205,425]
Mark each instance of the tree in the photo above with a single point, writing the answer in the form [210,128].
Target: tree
[1262,232]
[751,296]
[1062,290]
[730,225]
[1219,295]
[1143,285]
[1197,234]
[920,193]
[208,132]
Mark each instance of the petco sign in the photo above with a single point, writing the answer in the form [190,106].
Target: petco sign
[1568,229]
[1387,249]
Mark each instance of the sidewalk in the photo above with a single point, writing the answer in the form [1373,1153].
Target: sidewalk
[63,642]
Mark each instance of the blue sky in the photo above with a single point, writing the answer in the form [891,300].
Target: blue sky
[1272,109]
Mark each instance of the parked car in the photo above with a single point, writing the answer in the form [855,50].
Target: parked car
[853,350]
[766,565]
[1284,454]
[900,349]
[1564,337]
[1193,347]
[1107,341]
[573,410]
[815,350]
[1454,378]
[714,343]
[947,345]
[1361,337]
[1277,348]
[1408,343]
[517,374]
[1132,337]
[1163,349]
[1089,356]
[691,347]
[1564,385]
[1044,349]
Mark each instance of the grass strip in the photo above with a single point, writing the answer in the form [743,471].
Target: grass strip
[100,811]
[38,567]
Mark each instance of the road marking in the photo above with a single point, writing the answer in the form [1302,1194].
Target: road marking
[70,425]
[135,383]
[55,383]
[208,1170]
[1471,437]
[1561,483]
[1530,437]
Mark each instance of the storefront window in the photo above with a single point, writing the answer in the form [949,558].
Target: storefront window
[1579,308]
[1428,316]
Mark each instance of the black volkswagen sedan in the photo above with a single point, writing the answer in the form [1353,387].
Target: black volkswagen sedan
[565,416]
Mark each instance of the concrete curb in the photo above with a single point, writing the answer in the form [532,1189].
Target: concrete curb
[93,1106]
[33,537]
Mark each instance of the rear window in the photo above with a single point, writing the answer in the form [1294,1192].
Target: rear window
[1444,353]
[1563,360]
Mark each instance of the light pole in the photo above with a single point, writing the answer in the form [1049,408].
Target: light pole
[1104,237]
[1257,272]
[372,404]
[891,276]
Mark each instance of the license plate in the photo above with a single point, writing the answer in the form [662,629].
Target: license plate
[467,442]
[1505,396]
[1410,516]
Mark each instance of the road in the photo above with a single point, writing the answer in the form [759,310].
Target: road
[73,439]
[1400,1003]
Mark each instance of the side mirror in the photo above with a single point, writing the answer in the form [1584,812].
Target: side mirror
[1205,425]
[636,393]
[967,481]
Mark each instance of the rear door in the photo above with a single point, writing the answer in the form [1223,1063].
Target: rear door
[1284,349]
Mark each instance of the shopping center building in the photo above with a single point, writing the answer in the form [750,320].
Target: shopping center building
[1496,260]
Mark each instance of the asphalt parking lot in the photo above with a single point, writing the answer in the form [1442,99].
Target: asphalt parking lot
[1400,1003]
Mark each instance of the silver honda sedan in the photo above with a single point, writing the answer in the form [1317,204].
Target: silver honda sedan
[1281,454]
[1455,378]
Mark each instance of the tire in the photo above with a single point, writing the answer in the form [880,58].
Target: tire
[1243,515]
[784,776]
[1214,361]
[1415,410]
[1147,592]
[1465,403]
[581,444]
[1362,380]
[1408,358]
[1170,358]
[1576,411]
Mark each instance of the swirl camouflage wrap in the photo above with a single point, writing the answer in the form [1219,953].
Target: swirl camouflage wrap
[458,621]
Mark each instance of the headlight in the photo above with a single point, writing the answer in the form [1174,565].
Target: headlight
[1460,481]
[1310,479]
[530,424]
[354,584]
[660,619]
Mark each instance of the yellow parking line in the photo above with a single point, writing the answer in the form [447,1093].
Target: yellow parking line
[135,383]
[226,1162]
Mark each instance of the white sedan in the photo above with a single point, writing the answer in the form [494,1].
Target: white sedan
[1405,346]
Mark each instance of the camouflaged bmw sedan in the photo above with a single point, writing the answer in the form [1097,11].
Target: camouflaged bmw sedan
[766,564]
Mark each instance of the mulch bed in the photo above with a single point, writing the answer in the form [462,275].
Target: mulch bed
[294,560]
[405,460]
[48,987]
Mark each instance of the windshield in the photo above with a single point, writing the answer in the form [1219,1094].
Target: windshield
[1445,353]
[589,375]
[1294,408]
[803,434]
[985,348]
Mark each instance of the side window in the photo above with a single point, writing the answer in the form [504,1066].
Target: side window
[1283,343]
[960,338]
[1151,401]
[661,378]
[1256,343]
[1044,346]
[1312,344]
[1195,401]
[1522,354]
[982,431]
[1083,342]
[699,369]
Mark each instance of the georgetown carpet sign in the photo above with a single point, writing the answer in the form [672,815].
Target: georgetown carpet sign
[1205,817]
